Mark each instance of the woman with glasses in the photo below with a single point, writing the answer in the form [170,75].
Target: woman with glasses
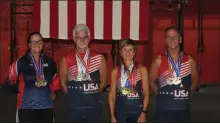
[129,90]
[35,74]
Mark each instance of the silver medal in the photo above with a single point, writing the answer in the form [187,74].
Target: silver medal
[177,80]
[80,77]
[88,77]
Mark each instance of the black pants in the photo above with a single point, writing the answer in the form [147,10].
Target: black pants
[35,115]
[84,115]
[127,117]
[172,116]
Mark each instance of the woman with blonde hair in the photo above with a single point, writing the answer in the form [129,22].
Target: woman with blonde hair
[129,89]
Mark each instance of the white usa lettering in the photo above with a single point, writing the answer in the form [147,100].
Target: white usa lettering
[90,87]
[180,93]
[133,95]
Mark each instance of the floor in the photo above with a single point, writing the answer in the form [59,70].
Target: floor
[205,106]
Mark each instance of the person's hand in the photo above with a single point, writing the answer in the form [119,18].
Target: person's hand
[113,120]
[142,118]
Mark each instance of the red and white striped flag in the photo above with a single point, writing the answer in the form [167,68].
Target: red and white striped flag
[108,20]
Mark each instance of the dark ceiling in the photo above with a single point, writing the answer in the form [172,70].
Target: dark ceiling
[160,9]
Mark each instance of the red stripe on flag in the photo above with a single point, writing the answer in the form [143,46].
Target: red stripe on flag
[143,19]
[71,17]
[125,21]
[54,25]
[36,16]
[107,20]
[90,17]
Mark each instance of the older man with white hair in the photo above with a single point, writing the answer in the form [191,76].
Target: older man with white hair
[83,77]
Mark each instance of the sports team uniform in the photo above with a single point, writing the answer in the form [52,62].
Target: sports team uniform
[173,99]
[34,103]
[83,96]
[129,100]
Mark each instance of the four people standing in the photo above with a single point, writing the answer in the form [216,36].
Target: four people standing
[83,77]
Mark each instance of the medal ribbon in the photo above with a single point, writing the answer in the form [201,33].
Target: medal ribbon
[176,69]
[129,74]
[83,64]
[38,69]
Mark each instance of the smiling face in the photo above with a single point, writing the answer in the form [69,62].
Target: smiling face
[36,43]
[128,52]
[81,39]
[172,39]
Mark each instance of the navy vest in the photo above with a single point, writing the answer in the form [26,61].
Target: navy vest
[174,96]
[132,102]
[83,93]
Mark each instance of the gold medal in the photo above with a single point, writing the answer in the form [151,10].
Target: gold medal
[41,83]
[44,83]
[131,90]
[38,84]
[124,91]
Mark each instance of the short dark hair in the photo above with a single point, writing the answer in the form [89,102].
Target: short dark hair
[171,28]
[31,34]
[126,42]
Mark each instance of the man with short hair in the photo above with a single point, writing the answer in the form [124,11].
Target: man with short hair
[83,77]
[177,77]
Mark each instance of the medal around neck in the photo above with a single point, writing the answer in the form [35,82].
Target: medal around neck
[126,91]
[176,80]
[38,84]
[44,83]
[127,79]
[41,82]
[83,67]
[83,77]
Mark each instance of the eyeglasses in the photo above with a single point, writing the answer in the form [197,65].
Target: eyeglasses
[82,38]
[172,38]
[36,42]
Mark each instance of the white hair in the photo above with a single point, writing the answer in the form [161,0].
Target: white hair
[81,27]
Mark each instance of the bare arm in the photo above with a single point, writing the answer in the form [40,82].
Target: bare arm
[153,74]
[103,74]
[145,86]
[112,92]
[63,75]
[194,74]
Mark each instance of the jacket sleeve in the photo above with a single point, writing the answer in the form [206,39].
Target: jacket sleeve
[14,72]
[55,85]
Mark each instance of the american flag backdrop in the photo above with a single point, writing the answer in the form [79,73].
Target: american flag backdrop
[107,19]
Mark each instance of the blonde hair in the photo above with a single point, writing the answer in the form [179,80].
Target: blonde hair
[81,27]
